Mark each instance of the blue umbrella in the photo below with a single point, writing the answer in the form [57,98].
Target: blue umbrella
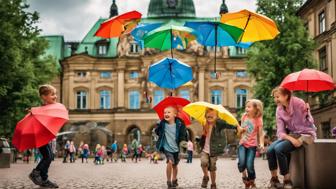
[217,34]
[141,30]
[170,73]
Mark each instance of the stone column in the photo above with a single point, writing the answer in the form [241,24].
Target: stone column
[121,88]
[201,84]
[230,94]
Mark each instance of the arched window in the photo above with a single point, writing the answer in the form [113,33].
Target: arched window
[158,96]
[105,99]
[134,99]
[216,96]
[241,95]
[81,99]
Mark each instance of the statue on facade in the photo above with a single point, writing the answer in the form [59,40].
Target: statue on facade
[124,45]
[195,48]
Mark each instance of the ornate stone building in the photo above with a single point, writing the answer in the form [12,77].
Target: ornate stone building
[103,80]
[320,19]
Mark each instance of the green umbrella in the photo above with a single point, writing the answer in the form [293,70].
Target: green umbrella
[169,36]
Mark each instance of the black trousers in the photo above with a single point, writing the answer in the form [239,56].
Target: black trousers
[44,164]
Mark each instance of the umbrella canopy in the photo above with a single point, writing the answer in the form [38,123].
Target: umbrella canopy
[119,25]
[217,34]
[308,80]
[139,32]
[170,73]
[256,27]
[169,36]
[176,102]
[39,126]
[197,110]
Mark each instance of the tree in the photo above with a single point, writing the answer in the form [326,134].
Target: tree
[22,65]
[270,61]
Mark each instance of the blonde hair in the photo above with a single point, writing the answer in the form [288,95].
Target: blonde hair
[46,89]
[257,105]
[172,107]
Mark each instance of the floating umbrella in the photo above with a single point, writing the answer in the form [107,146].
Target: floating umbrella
[39,126]
[197,110]
[170,73]
[169,36]
[119,25]
[139,32]
[217,34]
[176,102]
[256,27]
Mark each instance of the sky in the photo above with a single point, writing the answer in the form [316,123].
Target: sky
[74,18]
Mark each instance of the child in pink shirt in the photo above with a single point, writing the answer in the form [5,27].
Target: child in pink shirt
[252,124]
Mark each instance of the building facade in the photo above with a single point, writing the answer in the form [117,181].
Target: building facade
[319,17]
[104,82]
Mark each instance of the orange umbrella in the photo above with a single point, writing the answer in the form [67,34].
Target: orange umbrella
[119,25]
[39,126]
[256,27]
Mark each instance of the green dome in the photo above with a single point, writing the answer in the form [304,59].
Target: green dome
[171,8]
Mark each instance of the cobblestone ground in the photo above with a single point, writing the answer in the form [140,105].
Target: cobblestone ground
[129,175]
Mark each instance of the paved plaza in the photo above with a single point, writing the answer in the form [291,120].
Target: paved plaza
[129,175]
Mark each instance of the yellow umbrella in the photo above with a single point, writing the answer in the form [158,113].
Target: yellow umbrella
[256,27]
[197,111]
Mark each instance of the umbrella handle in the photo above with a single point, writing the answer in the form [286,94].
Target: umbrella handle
[171,43]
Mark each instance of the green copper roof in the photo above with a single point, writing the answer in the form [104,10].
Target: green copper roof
[89,42]
[171,8]
[56,46]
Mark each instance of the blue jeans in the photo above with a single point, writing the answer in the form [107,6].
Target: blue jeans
[44,164]
[246,160]
[279,151]
[190,156]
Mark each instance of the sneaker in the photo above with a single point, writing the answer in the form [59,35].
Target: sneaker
[288,184]
[48,184]
[213,186]
[169,184]
[246,182]
[274,183]
[174,183]
[205,181]
[35,177]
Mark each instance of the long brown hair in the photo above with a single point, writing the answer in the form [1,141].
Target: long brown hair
[283,91]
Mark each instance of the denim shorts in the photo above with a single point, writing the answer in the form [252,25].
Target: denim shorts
[173,157]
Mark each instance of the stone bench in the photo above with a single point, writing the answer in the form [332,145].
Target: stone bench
[314,166]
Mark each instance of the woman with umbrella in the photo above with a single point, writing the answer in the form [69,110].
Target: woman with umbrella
[295,125]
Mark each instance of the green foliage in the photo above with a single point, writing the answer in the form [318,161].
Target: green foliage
[21,64]
[270,61]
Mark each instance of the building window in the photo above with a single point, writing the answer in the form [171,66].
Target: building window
[158,96]
[105,99]
[134,48]
[323,59]
[241,96]
[213,75]
[240,51]
[105,75]
[241,73]
[322,22]
[81,99]
[216,97]
[184,94]
[134,75]
[102,49]
[81,74]
[134,99]
[326,129]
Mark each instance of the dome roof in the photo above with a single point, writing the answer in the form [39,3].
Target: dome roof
[171,8]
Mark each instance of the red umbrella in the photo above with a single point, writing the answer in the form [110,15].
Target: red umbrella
[39,126]
[176,102]
[308,80]
[118,25]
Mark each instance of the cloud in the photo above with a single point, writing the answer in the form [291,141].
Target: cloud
[74,18]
